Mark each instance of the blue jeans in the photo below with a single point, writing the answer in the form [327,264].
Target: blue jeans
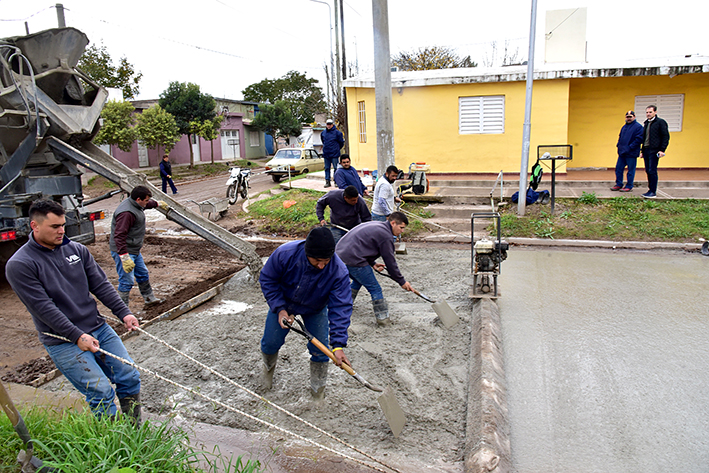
[140,272]
[631,163]
[92,373]
[274,336]
[337,233]
[364,276]
[165,182]
[651,162]
[330,162]
[379,218]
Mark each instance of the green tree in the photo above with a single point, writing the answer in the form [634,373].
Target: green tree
[208,129]
[432,57]
[277,120]
[97,63]
[302,96]
[187,104]
[157,128]
[117,126]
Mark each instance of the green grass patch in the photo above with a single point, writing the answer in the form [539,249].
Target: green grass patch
[617,219]
[80,443]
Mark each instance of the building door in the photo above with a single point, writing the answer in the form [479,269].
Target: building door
[196,148]
[143,161]
[231,145]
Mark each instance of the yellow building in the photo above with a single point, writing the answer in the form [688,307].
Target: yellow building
[471,120]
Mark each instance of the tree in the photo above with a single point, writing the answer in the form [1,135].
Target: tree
[157,128]
[277,120]
[302,96]
[432,57]
[208,129]
[117,127]
[187,104]
[97,63]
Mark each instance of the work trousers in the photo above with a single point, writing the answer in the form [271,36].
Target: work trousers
[139,273]
[651,161]
[274,335]
[631,164]
[364,276]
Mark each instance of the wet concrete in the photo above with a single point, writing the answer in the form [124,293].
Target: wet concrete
[606,359]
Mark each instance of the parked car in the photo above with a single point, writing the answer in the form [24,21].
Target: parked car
[294,161]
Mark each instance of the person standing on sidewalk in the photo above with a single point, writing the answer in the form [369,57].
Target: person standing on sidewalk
[57,280]
[332,141]
[166,175]
[126,241]
[656,138]
[385,199]
[347,210]
[629,141]
[346,175]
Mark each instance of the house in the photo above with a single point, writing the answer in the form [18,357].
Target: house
[237,139]
[471,120]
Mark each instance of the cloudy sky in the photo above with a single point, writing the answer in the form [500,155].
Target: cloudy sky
[226,45]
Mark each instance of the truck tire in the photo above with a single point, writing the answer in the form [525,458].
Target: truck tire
[276,178]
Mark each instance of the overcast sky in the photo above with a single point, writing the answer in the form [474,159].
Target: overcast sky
[226,45]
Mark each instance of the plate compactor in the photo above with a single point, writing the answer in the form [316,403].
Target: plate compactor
[487,256]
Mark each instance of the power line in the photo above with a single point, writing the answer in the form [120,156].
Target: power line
[28,17]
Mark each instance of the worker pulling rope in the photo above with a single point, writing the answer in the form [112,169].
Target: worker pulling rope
[233,409]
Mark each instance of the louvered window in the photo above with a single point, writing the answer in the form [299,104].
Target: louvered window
[362,122]
[669,107]
[483,114]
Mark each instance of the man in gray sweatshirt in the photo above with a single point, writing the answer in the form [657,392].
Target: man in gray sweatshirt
[359,250]
[54,278]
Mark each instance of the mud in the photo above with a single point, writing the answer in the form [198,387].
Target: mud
[425,364]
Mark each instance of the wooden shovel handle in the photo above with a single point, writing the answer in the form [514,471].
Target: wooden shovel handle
[8,406]
[331,355]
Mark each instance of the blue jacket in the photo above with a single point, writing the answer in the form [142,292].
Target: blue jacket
[348,177]
[165,169]
[629,140]
[289,282]
[332,141]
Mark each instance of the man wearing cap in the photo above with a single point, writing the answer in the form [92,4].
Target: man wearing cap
[656,138]
[347,210]
[307,278]
[332,141]
[629,141]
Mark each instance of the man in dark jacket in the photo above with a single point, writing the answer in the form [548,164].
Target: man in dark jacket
[306,278]
[656,138]
[332,141]
[346,175]
[359,250]
[347,210]
[55,278]
[126,241]
[166,175]
[629,141]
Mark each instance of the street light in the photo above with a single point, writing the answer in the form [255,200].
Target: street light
[329,85]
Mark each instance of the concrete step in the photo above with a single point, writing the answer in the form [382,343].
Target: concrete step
[457,211]
[546,183]
[460,225]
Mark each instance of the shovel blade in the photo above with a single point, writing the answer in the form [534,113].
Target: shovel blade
[445,313]
[392,411]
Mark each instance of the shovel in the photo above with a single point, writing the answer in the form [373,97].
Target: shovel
[444,311]
[395,416]
[30,463]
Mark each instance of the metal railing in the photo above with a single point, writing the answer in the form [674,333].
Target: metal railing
[502,190]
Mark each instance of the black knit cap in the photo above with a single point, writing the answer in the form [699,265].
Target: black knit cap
[320,243]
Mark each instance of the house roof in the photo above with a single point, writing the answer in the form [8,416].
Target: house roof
[669,66]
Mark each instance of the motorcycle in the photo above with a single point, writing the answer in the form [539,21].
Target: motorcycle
[238,184]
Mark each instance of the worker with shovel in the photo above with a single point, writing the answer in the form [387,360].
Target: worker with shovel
[55,278]
[359,250]
[306,278]
[347,210]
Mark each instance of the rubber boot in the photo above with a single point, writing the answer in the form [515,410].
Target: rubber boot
[318,379]
[147,292]
[381,312]
[354,294]
[124,296]
[131,407]
[269,366]
[327,183]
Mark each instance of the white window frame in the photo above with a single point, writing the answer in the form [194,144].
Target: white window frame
[482,114]
[362,116]
[254,138]
[670,107]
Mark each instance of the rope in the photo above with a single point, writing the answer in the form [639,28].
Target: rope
[233,409]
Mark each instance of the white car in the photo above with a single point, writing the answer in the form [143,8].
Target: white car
[294,161]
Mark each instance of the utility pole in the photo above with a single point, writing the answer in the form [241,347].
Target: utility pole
[344,125]
[527,130]
[60,15]
[382,86]
[337,52]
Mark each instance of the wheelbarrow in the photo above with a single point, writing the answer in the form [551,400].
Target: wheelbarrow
[215,206]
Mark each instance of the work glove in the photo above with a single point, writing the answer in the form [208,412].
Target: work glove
[163,205]
[128,264]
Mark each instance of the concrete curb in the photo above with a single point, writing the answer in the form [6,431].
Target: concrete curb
[629,245]
[487,443]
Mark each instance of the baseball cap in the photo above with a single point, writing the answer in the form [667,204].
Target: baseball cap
[329,121]
[630,112]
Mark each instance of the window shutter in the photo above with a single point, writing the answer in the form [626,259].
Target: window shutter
[669,107]
[481,115]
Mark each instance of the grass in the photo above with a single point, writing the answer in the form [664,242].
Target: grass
[79,443]
[617,219]
[298,219]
